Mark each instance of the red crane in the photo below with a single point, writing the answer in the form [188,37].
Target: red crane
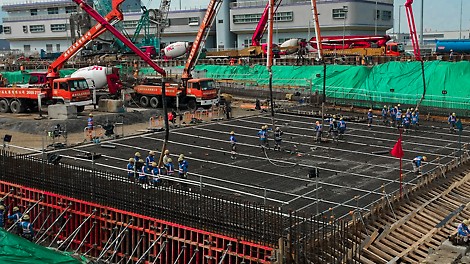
[261,27]
[412,26]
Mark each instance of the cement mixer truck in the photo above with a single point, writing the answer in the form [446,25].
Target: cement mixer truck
[103,81]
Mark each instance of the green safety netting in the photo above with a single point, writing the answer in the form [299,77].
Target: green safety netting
[22,77]
[14,249]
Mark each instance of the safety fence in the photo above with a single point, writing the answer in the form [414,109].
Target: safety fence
[109,217]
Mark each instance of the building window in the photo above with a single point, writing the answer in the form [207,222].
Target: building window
[36,28]
[25,29]
[53,10]
[193,21]
[220,21]
[386,15]
[49,47]
[58,27]
[34,12]
[7,30]
[70,9]
[254,18]
[339,13]
[57,47]
[1,29]
[377,14]
[27,48]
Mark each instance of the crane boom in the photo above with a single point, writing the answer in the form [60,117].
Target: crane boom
[317,29]
[114,16]
[412,26]
[261,27]
[212,9]
[106,24]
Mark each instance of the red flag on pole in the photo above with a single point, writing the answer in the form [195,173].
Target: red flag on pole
[397,151]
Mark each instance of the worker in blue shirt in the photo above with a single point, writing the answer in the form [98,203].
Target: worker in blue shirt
[14,219]
[170,168]
[233,145]
[2,216]
[452,120]
[385,113]
[318,131]
[144,171]
[417,162]
[334,130]
[149,159]
[27,230]
[341,128]
[183,169]
[90,123]
[408,113]
[263,137]
[463,231]
[399,118]
[139,162]
[393,116]
[406,122]
[414,120]
[155,172]
[131,169]
[370,117]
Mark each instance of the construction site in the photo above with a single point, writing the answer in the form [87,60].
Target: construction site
[344,150]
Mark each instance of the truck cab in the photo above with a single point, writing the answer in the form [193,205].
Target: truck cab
[150,51]
[394,49]
[72,91]
[202,92]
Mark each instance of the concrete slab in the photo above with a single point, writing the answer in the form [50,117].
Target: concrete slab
[62,112]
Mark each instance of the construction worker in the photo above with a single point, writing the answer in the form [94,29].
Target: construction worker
[333,118]
[15,218]
[414,120]
[263,137]
[463,231]
[171,117]
[370,118]
[393,115]
[90,124]
[138,162]
[334,130]
[278,138]
[156,172]
[131,169]
[150,159]
[144,171]
[408,113]
[452,120]
[228,110]
[27,230]
[417,162]
[182,168]
[341,128]
[318,131]
[170,168]
[406,122]
[233,145]
[398,117]
[2,216]
[385,113]
[166,156]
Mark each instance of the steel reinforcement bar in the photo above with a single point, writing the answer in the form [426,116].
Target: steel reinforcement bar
[112,218]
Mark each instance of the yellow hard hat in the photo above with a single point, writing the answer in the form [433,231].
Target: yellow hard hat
[466,222]
[167,152]
[277,128]
[425,158]
[180,159]
[169,160]
[385,106]
[398,105]
[262,127]
[151,153]
[154,164]
[16,209]
[181,156]
[131,160]
[334,116]
[90,114]
[2,207]
[341,118]
[453,114]
[137,154]
[232,133]
[25,217]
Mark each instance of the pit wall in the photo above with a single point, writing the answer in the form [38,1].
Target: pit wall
[180,243]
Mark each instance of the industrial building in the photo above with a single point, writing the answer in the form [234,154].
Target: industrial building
[34,25]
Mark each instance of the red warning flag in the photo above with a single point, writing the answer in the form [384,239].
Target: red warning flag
[397,151]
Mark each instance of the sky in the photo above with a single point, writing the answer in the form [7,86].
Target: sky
[438,16]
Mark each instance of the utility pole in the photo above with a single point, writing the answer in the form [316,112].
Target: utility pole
[270,56]
[460,24]
[376,18]
[421,32]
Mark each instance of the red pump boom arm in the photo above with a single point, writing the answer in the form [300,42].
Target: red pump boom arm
[412,27]
[104,23]
[115,15]
[261,27]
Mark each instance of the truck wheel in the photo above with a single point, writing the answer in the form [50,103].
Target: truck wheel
[154,102]
[4,106]
[16,107]
[192,104]
[80,108]
[144,101]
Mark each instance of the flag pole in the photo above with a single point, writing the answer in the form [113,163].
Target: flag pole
[401,174]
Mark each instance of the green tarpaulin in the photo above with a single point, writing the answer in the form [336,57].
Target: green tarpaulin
[14,249]
[22,77]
